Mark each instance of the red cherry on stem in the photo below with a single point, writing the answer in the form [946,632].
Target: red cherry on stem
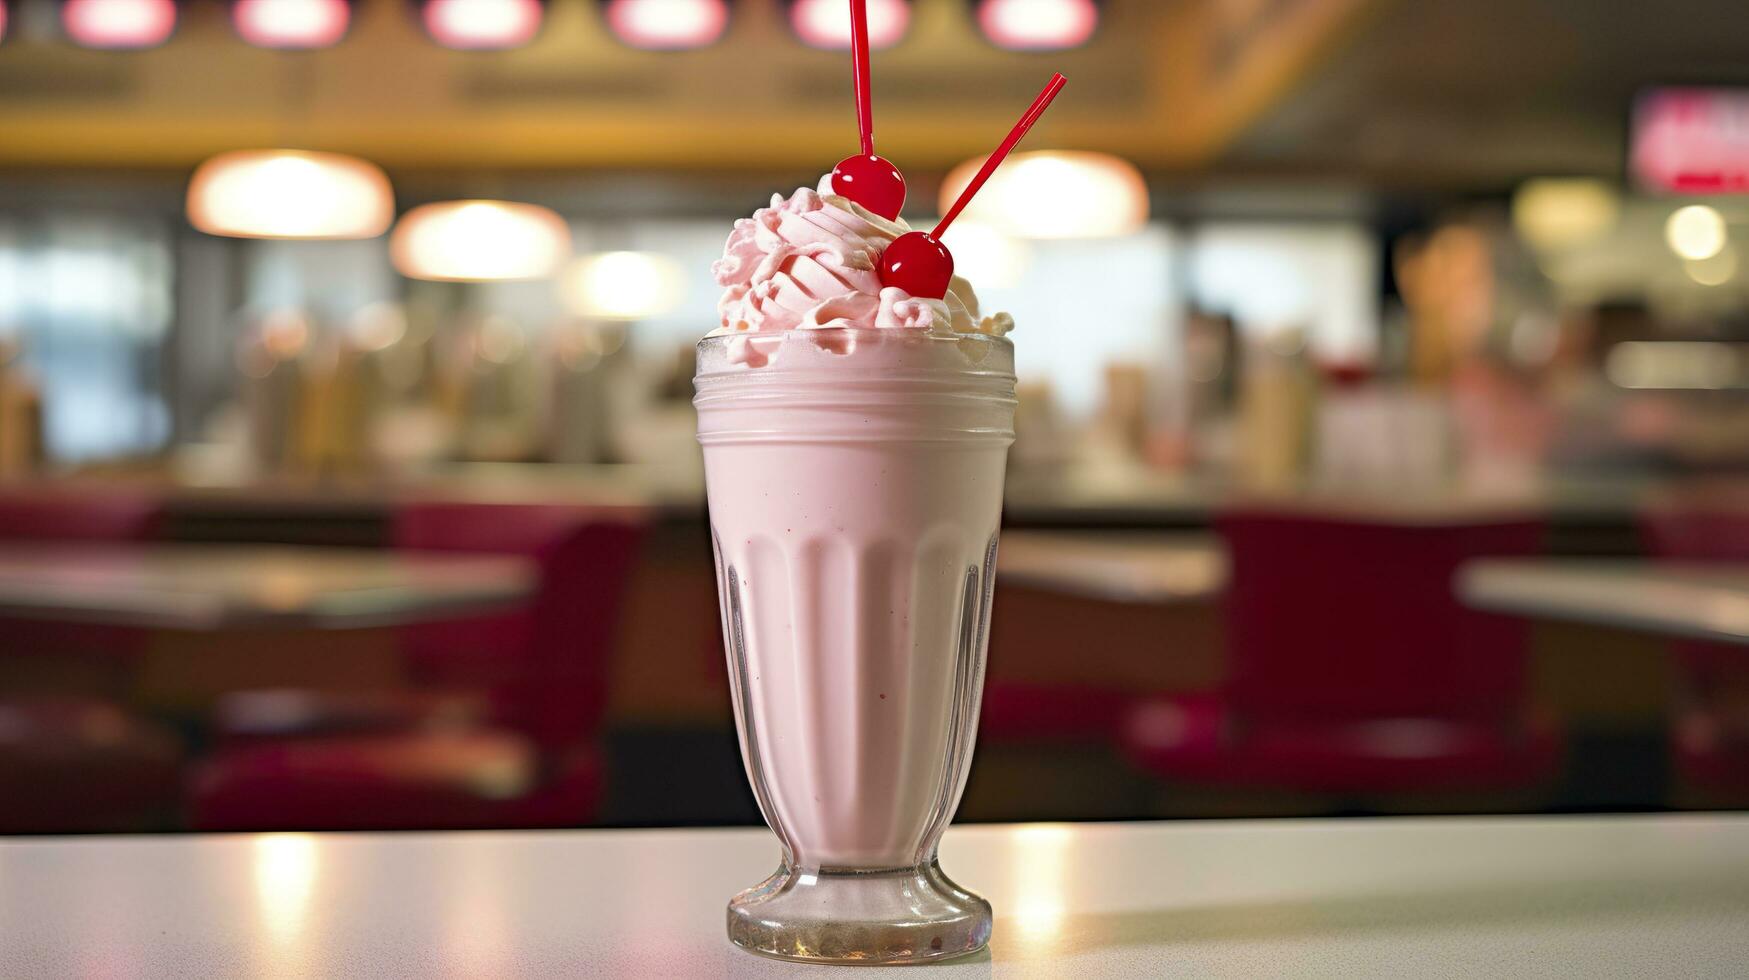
[871,182]
[917,262]
[867,179]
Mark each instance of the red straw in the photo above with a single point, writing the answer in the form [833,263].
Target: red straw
[859,59]
[1014,135]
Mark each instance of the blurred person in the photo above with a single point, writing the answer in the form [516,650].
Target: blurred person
[269,356]
[1040,439]
[1479,321]
[652,421]
[21,443]
[1601,424]
[1193,412]
[405,428]
[1122,422]
[1277,401]
[491,388]
[579,421]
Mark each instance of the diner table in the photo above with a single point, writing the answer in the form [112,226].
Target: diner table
[1593,896]
[1126,566]
[213,587]
[1692,601]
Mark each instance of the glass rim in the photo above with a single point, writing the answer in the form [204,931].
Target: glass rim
[907,334]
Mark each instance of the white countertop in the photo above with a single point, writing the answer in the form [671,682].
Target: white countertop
[203,587]
[1703,602]
[1471,897]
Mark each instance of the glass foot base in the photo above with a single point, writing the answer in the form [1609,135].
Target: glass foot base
[909,915]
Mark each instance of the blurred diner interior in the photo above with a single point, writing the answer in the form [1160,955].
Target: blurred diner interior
[1384,401]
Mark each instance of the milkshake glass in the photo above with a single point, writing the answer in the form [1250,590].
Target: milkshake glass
[855,486]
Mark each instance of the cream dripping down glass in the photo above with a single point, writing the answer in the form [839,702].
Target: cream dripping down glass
[855,438]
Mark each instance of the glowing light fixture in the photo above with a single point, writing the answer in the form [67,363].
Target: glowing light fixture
[378,326]
[987,256]
[479,241]
[668,25]
[826,23]
[1695,364]
[1715,270]
[290,194]
[291,24]
[622,285]
[1055,194]
[4,10]
[483,25]
[1557,213]
[1695,232]
[118,25]
[1038,25]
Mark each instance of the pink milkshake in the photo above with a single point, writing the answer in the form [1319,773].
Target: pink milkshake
[855,439]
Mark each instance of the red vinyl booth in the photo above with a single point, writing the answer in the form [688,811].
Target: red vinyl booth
[1353,669]
[1709,737]
[74,517]
[502,735]
[69,762]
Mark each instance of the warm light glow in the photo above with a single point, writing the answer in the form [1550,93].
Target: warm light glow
[1695,232]
[286,867]
[281,335]
[622,286]
[285,333]
[667,25]
[1715,270]
[1557,213]
[290,194]
[988,257]
[1690,140]
[479,241]
[1038,25]
[4,10]
[498,340]
[378,326]
[294,24]
[1696,364]
[826,23]
[481,25]
[1041,880]
[1053,194]
[118,24]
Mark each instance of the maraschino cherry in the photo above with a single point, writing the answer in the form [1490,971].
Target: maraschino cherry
[865,178]
[917,262]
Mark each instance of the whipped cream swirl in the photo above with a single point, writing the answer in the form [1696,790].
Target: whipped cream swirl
[810,261]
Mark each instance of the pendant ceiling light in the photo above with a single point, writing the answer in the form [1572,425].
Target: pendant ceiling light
[1038,25]
[290,194]
[118,25]
[1055,194]
[667,25]
[826,23]
[482,25]
[622,285]
[479,241]
[295,25]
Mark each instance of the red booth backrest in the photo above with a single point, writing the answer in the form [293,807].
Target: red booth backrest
[76,515]
[1334,618]
[1707,523]
[553,660]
